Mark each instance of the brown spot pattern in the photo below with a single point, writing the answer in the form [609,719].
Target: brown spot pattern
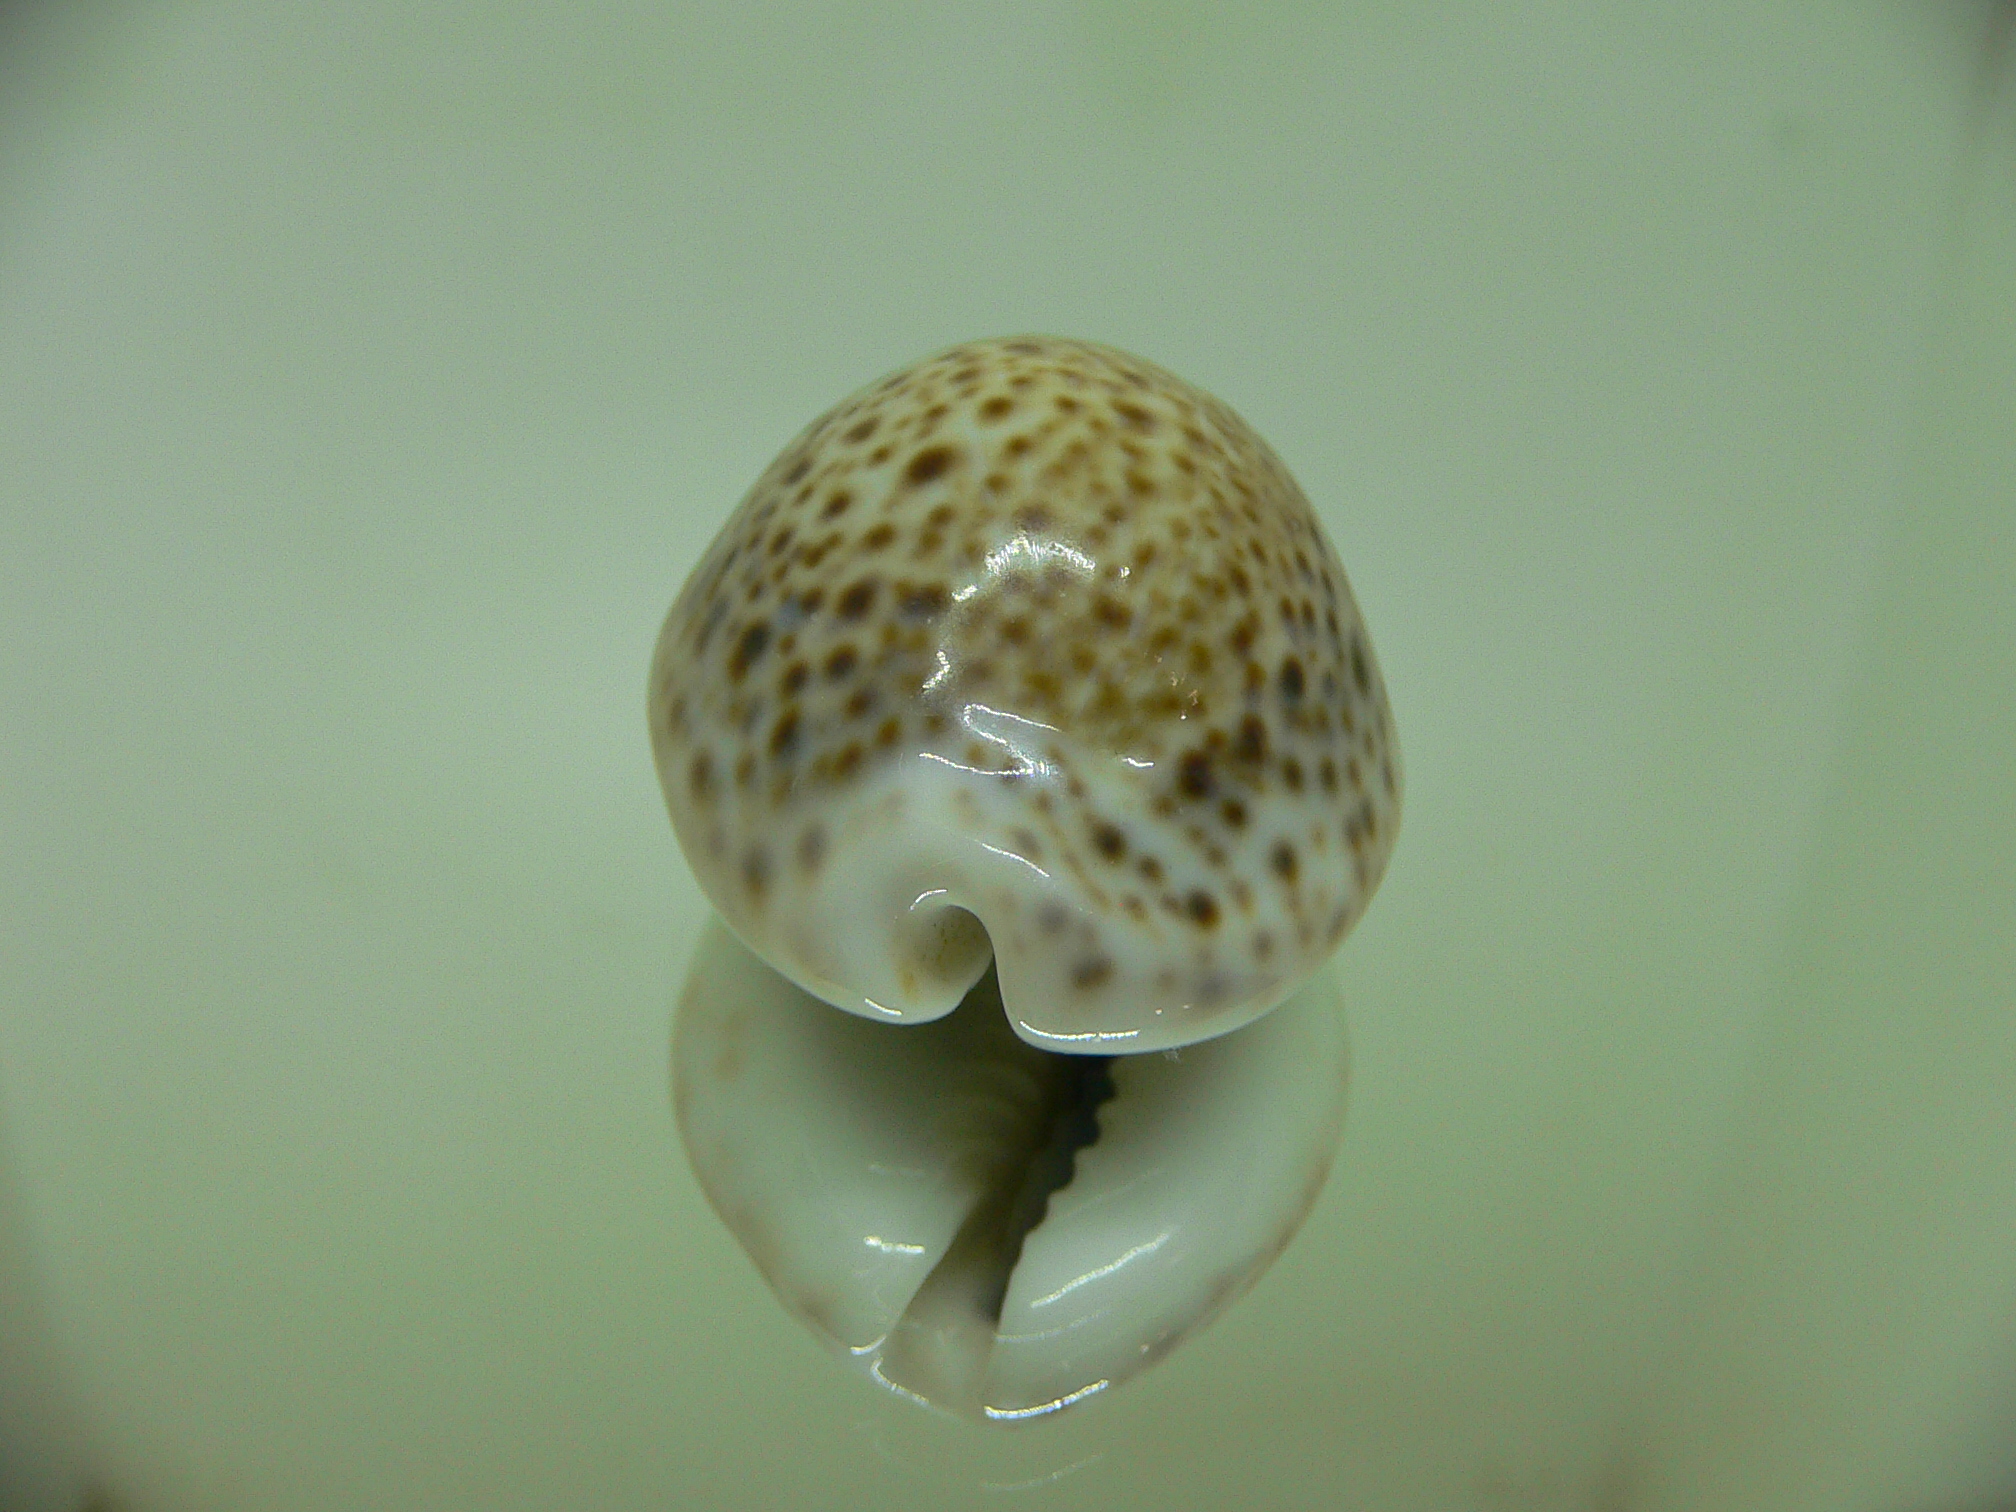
[1026,536]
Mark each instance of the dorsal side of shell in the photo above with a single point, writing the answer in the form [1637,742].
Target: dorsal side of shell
[1034,634]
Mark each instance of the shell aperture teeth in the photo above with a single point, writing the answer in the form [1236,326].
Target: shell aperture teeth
[1035,1125]
[997,1231]
[1036,630]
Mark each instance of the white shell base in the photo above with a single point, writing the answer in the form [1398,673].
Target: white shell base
[847,1157]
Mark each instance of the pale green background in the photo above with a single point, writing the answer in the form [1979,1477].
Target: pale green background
[370,376]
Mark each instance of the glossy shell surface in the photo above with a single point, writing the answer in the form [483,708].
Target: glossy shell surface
[907,1196]
[1033,652]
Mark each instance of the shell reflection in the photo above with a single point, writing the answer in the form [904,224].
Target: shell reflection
[992,1229]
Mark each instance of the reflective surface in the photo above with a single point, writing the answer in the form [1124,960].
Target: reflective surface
[999,1231]
[1030,652]
[369,377]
